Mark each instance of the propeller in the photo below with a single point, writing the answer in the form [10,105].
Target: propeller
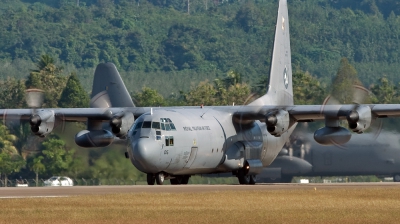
[360,96]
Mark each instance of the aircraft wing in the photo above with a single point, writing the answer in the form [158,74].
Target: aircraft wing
[301,113]
[307,113]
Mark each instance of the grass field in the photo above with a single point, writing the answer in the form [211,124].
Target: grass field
[281,206]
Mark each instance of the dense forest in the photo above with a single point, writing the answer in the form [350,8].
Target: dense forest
[213,52]
[157,40]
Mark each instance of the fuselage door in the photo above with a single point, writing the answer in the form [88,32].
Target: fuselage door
[192,156]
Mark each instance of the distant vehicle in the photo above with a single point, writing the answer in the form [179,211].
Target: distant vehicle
[59,181]
[362,155]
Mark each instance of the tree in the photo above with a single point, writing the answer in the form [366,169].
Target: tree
[343,83]
[384,92]
[238,94]
[56,157]
[48,77]
[202,94]
[7,141]
[12,93]
[149,98]
[38,167]
[10,163]
[307,89]
[73,95]
[111,165]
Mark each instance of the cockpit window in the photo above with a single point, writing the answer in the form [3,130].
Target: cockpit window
[166,124]
[146,124]
[156,125]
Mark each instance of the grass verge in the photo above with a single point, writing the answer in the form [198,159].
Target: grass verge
[283,206]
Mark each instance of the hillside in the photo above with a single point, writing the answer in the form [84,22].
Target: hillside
[159,45]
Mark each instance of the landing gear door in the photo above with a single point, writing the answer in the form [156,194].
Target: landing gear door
[192,156]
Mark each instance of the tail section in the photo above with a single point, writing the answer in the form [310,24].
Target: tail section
[107,81]
[280,89]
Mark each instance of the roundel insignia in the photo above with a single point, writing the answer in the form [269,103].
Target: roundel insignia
[285,78]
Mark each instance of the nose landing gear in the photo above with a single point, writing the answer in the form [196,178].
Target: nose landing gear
[155,178]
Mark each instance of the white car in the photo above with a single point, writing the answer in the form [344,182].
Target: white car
[59,181]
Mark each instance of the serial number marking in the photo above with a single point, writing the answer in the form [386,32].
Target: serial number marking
[197,128]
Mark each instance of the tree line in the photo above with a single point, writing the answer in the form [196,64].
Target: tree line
[22,154]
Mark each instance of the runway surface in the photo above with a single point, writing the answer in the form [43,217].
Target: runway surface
[23,192]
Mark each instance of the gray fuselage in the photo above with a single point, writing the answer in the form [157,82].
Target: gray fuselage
[198,141]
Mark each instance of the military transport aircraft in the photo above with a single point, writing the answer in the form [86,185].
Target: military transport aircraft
[177,142]
[365,154]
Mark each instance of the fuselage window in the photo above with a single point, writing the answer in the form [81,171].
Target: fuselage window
[156,125]
[169,140]
[158,135]
[146,124]
[166,124]
[166,140]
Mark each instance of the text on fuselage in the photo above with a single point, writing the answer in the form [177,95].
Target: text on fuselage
[197,128]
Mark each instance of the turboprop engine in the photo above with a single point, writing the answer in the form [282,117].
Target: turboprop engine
[359,119]
[332,135]
[120,123]
[277,122]
[42,122]
[94,138]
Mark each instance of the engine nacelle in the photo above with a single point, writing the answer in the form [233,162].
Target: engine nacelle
[277,122]
[42,122]
[359,119]
[332,135]
[120,124]
[90,139]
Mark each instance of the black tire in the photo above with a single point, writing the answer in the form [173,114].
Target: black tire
[174,181]
[185,179]
[160,178]
[151,179]
[253,179]
[242,177]
[180,180]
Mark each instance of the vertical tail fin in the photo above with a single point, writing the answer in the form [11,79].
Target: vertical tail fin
[280,89]
[108,81]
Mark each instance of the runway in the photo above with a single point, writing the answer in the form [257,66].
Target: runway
[26,192]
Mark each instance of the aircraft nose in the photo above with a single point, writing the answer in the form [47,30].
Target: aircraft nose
[146,153]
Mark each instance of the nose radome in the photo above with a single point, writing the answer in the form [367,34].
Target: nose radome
[146,155]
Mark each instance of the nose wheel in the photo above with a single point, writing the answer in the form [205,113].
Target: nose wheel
[159,178]
[151,179]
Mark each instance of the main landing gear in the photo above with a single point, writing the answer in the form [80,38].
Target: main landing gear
[160,177]
[182,179]
[246,179]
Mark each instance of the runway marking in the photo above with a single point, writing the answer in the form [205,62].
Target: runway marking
[20,197]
